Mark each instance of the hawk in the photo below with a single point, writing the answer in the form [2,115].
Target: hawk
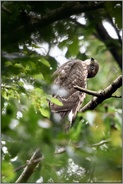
[72,73]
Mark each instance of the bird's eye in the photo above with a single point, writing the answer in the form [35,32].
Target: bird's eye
[92,67]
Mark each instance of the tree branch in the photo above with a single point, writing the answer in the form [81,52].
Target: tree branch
[110,44]
[32,163]
[64,149]
[116,29]
[3,8]
[94,93]
[104,94]
[66,10]
[89,92]
[113,45]
[33,22]
[101,143]
[114,96]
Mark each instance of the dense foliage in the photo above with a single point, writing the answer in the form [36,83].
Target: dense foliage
[31,32]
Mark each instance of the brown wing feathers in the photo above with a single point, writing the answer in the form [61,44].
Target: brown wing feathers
[70,74]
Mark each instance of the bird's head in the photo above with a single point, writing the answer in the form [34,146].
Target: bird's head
[92,66]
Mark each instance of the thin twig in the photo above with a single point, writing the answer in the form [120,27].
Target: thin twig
[63,149]
[114,96]
[3,8]
[20,167]
[60,150]
[32,163]
[89,92]
[101,143]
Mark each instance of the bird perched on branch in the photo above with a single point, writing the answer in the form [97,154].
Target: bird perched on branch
[72,73]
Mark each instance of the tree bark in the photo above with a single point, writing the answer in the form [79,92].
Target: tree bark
[104,94]
[29,169]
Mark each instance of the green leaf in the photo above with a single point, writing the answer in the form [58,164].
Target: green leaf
[18,65]
[45,112]
[39,90]
[20,83]
[45,62]
[56,101]
[35,46]
[8,63]
[38,76]
[74,47]
[7,172]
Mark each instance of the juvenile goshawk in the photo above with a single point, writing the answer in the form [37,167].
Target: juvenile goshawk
[72,73]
